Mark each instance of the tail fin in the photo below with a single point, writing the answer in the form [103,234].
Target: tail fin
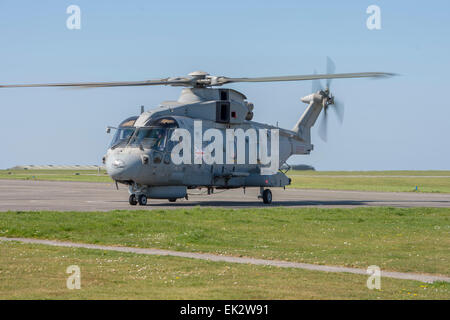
[309,117]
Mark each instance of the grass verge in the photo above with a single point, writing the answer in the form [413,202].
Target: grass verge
[38,272]
[372,183]
[391,181]
[407,240]
[56,175]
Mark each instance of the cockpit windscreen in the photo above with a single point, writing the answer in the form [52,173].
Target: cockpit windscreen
[122,136]
[150,138]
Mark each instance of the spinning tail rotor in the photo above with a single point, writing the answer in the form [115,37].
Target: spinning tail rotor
[328,100]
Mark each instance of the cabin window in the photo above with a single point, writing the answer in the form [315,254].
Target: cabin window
[223,112]
[223,95]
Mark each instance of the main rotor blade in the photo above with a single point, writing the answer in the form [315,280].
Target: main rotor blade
[316,85]
[331,69]
[224,80]
[208,81]
[167,81]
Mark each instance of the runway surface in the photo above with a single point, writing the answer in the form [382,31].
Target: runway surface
[27,195]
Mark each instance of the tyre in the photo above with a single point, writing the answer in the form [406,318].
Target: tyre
[267,196]
[172,199]
[132,200]
[142,200]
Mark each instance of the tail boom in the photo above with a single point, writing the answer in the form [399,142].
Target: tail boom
[309,117]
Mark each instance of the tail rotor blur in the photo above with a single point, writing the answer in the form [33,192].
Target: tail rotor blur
[328,100]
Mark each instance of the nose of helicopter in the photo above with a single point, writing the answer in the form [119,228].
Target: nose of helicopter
[122,166]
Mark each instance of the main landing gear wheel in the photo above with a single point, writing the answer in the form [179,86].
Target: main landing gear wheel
[132,200]
[172,199]
[142,199]
[267,196]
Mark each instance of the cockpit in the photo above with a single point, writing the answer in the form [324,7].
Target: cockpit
[153,136]
[123,133]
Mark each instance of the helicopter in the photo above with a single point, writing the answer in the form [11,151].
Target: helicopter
[155,156]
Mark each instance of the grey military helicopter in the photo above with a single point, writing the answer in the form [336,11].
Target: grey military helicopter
[141,152]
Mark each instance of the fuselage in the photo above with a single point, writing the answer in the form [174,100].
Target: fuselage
[141,152]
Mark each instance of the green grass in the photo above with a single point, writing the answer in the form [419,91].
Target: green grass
[38,272]
[56,175]
[373,173]
[385,181]
[390,181]
[382,184]
[408,240]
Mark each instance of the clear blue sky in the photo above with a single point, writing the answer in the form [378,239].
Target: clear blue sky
[400,123]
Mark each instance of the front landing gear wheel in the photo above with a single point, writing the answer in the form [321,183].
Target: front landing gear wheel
[172,199]
[132,200]
[267,196]
[142,199]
